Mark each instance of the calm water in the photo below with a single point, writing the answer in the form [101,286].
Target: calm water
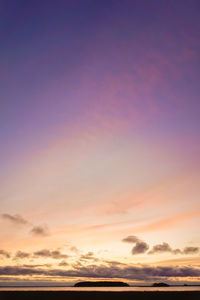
[103,289]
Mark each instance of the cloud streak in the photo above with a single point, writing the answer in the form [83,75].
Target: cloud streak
[131,239]
[15,219]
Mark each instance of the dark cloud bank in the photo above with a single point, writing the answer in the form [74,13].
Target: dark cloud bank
[106,271]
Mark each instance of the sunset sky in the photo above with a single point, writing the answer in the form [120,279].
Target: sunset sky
[100,141]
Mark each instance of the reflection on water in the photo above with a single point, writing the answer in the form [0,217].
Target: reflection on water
[103,289]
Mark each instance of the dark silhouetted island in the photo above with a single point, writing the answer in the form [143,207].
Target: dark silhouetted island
[100,284]
[160,284]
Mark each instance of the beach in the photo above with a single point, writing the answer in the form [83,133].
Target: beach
[61,295]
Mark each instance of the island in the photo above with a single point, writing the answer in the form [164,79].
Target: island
[160,284]
[100,284]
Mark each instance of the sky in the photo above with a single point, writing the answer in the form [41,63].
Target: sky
[100,143]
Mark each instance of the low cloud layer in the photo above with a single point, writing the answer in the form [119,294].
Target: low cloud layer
[142,247]
[129,272]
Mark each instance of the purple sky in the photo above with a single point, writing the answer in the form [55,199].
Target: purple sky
[99,109]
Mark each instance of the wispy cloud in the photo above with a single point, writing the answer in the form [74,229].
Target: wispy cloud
[38,230]
[41,230]
[15,219]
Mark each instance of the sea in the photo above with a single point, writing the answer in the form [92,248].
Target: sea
[103,289]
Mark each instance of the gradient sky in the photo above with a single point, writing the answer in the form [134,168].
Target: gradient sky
[100,143]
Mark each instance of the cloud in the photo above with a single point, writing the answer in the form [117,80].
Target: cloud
[176,251]
[191,250]
[4,253]
[131,239]
[130,272]
[45,253]
[74,249]
[40,230]
[88,256]
[140,246]
[165,247]
[21,255]
[63,263]
[16,219]
[37,266]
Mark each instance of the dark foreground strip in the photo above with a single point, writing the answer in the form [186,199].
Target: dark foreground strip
[61,295]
